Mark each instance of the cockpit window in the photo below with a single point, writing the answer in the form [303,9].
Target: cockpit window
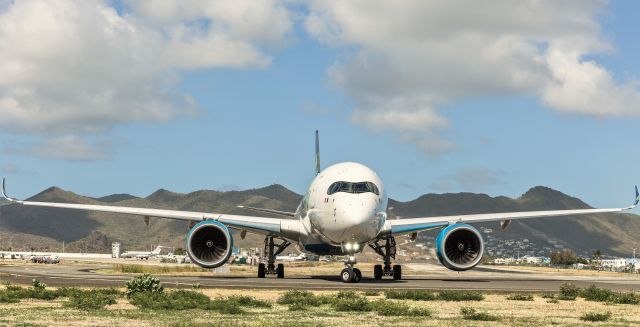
[348,187]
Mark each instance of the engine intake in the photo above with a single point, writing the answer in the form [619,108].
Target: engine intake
[209,244]
[459,247]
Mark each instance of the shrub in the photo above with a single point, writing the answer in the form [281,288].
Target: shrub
[460,296]
[520,297]
[297,306]
[594,316]
[248,301]
[38,285]
[598,294]
[348,295]
[224,306]
[391,308]
[548,296]
[469,313]
[415,295]
[144,283]
[8,297]
[195,286]
[355,304]
[568,292]
[175,300]
[90,300]
[371,292]
[300,297]
[626,298]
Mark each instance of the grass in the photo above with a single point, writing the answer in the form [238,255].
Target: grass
[90,300]
[155,270]
[595,316]
[469,313]
[394,309]
[371,292]
[520,297]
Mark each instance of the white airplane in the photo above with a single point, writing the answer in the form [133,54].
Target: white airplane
[344,210]
[292,258]
[142,254]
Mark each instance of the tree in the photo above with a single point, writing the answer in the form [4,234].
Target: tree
[597,254]
[565,257]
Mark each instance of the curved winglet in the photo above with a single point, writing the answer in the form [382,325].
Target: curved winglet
[4,193]
[637,197]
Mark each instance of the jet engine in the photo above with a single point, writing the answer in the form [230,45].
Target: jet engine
[209,244]
[459,247]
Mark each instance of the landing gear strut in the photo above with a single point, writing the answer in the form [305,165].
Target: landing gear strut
[350,274]
[271,251]
[387,251]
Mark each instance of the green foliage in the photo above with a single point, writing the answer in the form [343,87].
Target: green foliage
[224,306]
[298,297]
[297,306]
[460,296]
[597,294]
[348,295]
[392,308]
[195,286]
[415,295]
[248,301]
[371,292]
[566,257]
[175,300]
[38,285]
[8,297]
[548,296]
[520,297]
[90,300]
[143,284]
[568,292]
[595,316]
[626,298]
[469,313]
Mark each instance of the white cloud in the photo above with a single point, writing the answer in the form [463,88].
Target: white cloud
[405,60]
[69,147]
[71,68]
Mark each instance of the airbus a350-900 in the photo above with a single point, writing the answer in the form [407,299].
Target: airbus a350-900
[343,211]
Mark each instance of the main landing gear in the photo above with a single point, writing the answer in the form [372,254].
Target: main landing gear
[388,252]
[350,274]
[271,251]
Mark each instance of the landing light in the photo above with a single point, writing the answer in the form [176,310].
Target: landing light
[348,246]
[356,246]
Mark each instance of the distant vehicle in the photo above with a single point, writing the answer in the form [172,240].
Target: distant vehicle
[142,255]
[292,258]
[46,259]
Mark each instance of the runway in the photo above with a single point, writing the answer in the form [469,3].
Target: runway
[485,279]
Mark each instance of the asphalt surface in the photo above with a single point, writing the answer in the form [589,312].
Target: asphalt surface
[487,279]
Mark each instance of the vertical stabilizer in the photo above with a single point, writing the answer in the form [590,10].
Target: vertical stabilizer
[317,153]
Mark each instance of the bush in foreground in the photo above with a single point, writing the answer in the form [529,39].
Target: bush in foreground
[175,300]
[371,292]
[90,300]
[520,297]
[460,296]
[597,294]
[469,313]
[594,316]
[143,284]
[568,292]
[416,295]
[391,308]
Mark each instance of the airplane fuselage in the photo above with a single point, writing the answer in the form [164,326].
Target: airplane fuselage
[343,210]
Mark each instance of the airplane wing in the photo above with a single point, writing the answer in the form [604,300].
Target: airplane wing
[259,225]
[276,212]
[412,225]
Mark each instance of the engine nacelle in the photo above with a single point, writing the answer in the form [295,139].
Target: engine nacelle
[209,244]
[459,247]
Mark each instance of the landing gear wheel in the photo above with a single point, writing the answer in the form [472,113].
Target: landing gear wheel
[397,272]
[261,270]
[347,275]
[377,272]
[280,271]
[358,275]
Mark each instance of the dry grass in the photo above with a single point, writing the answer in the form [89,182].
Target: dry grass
[523,313]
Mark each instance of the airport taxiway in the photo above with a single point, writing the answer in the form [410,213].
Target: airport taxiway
[483,278]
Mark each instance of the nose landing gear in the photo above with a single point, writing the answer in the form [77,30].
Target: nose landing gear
[387,252]
[351,274]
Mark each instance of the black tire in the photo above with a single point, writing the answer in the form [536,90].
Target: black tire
[397,272]
[347,275]
[377,272]
[261,270]
[358,275]
[280,271]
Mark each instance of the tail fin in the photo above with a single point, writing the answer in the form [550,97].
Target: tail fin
[157,250]
[317,153]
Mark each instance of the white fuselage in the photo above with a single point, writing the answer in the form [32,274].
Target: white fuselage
[342,218]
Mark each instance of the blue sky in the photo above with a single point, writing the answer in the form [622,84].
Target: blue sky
[250,123]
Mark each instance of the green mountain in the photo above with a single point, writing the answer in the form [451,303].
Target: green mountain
[614,234]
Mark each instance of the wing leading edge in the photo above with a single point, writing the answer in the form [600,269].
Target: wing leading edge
[260,225]
[412,225]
